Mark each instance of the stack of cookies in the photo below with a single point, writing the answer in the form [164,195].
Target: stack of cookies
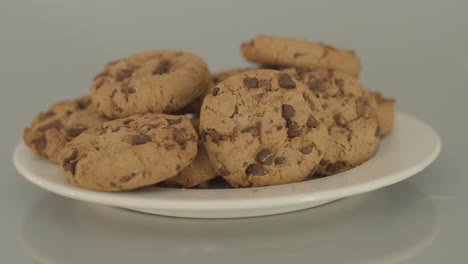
[160,117]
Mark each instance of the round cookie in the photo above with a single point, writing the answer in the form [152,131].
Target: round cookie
[65,120]
[294,52]
[197,172]
[129,153]
[152,81]
[385,113]
[261,128]
[350,115]
[195,106]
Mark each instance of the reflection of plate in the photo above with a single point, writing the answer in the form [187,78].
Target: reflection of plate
[411,147]
[386,227]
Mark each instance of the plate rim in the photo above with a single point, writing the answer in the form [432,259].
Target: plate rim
[108,198]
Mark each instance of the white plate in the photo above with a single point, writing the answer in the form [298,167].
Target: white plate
[410,148]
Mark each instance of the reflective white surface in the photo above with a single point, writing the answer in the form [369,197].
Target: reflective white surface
[415,51]
[407,150]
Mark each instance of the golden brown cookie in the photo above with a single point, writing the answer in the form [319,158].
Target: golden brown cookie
[197,172]
[263,127]
[50,131]
[350,115]
[294,52]
[129,153]
[385,113]
[152,81]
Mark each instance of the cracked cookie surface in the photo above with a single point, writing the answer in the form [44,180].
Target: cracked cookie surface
[262,127]
[294,52]
[152,81]
[350,115]
[50,131]
[129,153]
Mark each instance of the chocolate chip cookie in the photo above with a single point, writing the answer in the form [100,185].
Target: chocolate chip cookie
[197,172]
[49,131]
[152,81]
[385,113]
[262,127]
[287,51]
[129,153]
[350,115]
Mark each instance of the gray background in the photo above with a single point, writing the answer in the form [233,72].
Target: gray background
[415,51]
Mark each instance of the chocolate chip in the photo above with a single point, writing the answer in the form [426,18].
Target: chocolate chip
[265,156]
[279,127]
[324,162]
[39,143]
[312,122]
[293,129]
[251,82]
[377,131]
[266,84]
[223,171]
[339,120]
[280,160]
[252,130]
[75,131]
[140,139]
[124,74]
[179,137]
[174,121]
[286,81]
[255,169]
[298,54]
[360,106]
[131,90]
[287,111]
[127,121]
[215,91]
[54,124]
[315,85]
[177,167]
[127,178]
[69,164]
[162,68]
[306,150]
[339,83]
[69,112]
[335,167]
